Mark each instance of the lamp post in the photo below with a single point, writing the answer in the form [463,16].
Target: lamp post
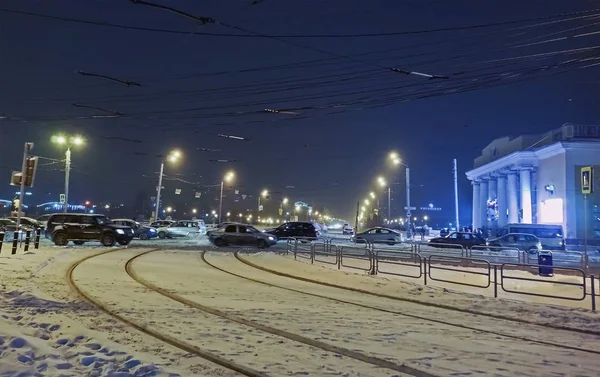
[172,157]
[263,194]
[383,183]
[227,178]
[395,159]
[68,141]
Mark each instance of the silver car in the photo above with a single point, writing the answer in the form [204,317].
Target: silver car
[183,228]
[520,241]
[241,234]
[378,235]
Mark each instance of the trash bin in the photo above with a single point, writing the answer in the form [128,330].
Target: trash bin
[545,263]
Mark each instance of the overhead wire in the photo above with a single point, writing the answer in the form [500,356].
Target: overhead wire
[353,35]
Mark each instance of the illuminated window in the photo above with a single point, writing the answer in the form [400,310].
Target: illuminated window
[552,211]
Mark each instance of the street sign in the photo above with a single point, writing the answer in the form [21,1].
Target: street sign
[62,199]
[260,208]
[177,191]
[587,180]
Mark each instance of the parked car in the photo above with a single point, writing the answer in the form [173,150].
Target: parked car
[241,234]
[140,231]
[81,228]
[294,229]
[444,232]
[378,235]
[44,219]
[8,225]
[161,223]
[182,228]
[347,229]
[520,241]
[551,236]
[28,222]
[463,239]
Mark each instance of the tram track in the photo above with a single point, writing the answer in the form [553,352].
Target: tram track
[375,361]
[184,346]
[397,312]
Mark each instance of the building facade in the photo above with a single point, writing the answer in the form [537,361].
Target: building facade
[536,180]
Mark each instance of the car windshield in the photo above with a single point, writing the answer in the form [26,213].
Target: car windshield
[102,220]
[7,222]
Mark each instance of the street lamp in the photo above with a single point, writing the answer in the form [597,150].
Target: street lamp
[396,160]
[67,141]
[171,157]
[227,178]
[263,194]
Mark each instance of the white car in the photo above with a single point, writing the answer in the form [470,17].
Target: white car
[347,229]
[183,228]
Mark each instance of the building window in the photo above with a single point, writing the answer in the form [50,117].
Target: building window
[551,211]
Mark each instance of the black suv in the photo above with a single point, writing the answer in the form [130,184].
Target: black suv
[80,228]
[295,229]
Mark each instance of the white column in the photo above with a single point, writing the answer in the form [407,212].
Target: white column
[483,199]
[492,194]
[476,203]
[525,177]
[512,198]
[502,205]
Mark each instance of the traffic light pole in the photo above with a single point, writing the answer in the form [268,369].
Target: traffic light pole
[28,147]
[67,175]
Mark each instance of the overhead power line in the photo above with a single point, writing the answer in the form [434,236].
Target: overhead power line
[126,82]
[354,35]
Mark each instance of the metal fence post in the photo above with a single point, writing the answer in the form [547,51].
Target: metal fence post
[338,255]
[27,240]
[15,242]
[495,281]
[312,253]
[593,280]
[36,243]
[425,270]
[1,240]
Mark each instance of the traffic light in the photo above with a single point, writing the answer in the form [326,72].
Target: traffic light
[30,169]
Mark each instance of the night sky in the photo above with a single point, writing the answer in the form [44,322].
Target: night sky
[350,110]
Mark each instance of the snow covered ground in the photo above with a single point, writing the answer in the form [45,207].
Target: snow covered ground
[48,330]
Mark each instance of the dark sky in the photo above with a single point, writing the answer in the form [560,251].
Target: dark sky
[504,79]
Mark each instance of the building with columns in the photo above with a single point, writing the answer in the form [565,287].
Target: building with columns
[536,179]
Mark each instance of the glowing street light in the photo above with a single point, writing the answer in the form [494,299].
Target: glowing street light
[372,195]
[228,177]
[67,141]
[194,210]
[173,156]
[395,158]
[381,181]
[285,201]
[367,201]
[169,209]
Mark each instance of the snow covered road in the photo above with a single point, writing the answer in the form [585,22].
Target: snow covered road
[268,324]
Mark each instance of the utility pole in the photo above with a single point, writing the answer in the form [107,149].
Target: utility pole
[28,147]
[408,214]
[160,177]
[221,201]
[456,194]
[67,175]
[389,204]
[356,219]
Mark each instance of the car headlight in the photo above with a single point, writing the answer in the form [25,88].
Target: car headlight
[152,230]
[271,238]
[120,231]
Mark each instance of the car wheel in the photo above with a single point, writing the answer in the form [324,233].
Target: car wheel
[162,235]
[533,250]
[391,243]
[124,242]
[60,239]
[78,243]
[144,236]
[108,240]
[262,244]
[219,242]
